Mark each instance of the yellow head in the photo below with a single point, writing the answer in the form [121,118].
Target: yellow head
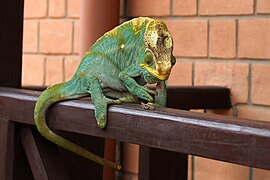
[158,53]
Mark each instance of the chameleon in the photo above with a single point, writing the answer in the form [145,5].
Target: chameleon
[115,70]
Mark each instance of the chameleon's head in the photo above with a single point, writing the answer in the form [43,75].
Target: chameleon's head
[158,41]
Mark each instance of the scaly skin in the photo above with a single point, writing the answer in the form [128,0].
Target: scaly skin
[117,66]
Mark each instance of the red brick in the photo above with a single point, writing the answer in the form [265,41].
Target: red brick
[184,7]
[260,174]
[33,70]
[222,38]
[261,84]
[226,7]
[254,38]
[30,36]
[232,75]
[71,65]
[131,158]
[54,70]
[263,6]
[253,112]
[73,8]
[206,169]
[76,41]
[190,37]
[56,37]
[148,8]
[181,74]
[57,8]
[35,8]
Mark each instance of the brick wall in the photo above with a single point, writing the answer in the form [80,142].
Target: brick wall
[51,41]
[217,42]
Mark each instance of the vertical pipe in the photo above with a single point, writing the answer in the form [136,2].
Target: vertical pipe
[96,18]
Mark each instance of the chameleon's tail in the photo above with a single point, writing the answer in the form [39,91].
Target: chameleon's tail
[52,95]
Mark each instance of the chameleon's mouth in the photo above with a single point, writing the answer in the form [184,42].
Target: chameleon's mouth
[155,73]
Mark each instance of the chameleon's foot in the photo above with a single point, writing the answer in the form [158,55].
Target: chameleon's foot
[148,106]
[101,124]
[144,93]
[101,111]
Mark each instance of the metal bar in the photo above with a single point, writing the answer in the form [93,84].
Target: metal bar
[189,97]
[229,139]
[199,97]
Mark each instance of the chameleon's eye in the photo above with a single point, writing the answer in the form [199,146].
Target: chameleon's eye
[148,58]
[168,42]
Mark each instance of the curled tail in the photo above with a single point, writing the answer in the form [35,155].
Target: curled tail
[55,94]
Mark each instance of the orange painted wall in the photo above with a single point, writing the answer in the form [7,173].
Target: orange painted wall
[223,43]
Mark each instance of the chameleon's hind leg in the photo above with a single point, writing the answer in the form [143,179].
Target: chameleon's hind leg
[127,97]
[123,97]
[100,101]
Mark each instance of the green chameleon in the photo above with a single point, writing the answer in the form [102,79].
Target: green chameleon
[114,71]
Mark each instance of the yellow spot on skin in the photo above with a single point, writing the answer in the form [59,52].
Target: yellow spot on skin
[154,38]
[161,77]
[122,46]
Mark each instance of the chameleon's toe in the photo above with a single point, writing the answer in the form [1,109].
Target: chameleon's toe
[101,124]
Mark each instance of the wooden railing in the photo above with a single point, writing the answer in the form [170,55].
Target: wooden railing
[165,136]
[229,139]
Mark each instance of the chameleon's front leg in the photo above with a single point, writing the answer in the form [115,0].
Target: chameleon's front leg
[161,97]
[133,87]
[100,101]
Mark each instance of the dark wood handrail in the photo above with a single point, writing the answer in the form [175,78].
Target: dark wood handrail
[229,139]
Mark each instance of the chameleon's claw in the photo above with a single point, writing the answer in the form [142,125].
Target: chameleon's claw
[148,106]
[118,167]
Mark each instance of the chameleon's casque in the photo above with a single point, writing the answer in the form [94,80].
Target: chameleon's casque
[113,71]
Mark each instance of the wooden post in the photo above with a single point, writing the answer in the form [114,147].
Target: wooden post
[11,30]
[6,149]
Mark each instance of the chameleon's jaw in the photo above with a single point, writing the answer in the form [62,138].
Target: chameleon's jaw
[156,73]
